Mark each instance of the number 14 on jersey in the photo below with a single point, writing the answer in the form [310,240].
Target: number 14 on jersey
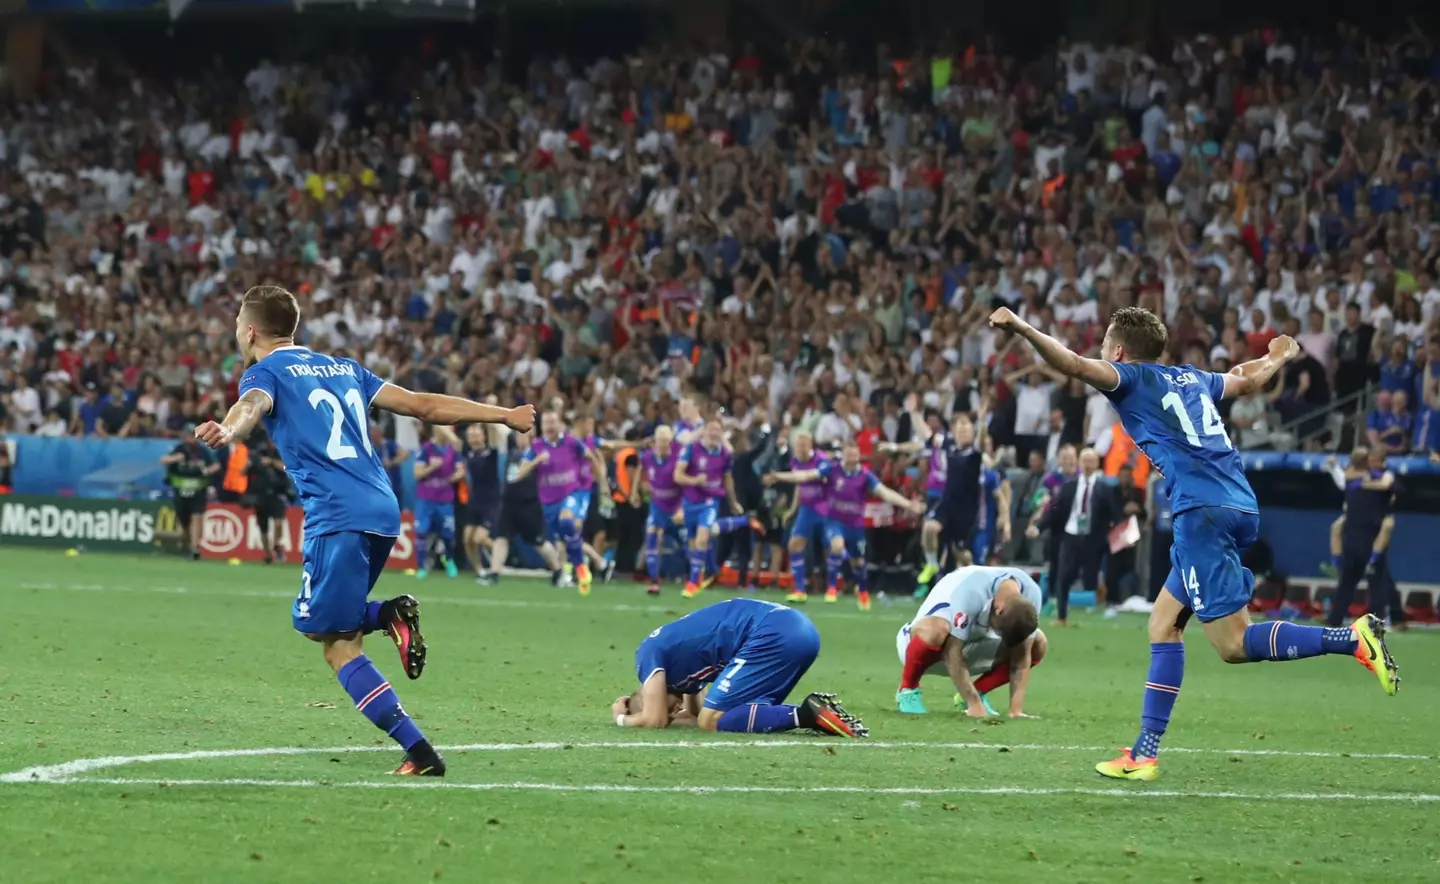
[1210,422]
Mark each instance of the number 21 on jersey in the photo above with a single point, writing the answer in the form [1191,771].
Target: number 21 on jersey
[1210,422]
[336,448]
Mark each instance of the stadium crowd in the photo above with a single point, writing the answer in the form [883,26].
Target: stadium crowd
[810,240]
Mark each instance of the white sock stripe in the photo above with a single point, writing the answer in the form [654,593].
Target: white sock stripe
[370,697]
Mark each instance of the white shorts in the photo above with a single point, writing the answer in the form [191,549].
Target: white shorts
[979,655]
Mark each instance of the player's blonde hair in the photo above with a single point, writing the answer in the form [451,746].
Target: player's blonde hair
[272,310]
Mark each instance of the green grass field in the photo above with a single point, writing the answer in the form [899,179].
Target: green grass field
[1300,771]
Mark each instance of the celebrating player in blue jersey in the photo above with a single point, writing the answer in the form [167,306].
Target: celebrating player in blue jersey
[438,467]
[754,652]
[848,485]
[1170,412]
[703,471]
[316,410]
[657,477]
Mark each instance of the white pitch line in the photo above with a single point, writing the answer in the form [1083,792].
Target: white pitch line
[70,769]
[1001,791]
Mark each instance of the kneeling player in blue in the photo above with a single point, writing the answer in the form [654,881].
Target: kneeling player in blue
[317,411]
[1170,412]
[753,652]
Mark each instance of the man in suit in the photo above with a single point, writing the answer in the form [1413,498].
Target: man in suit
[1084,511]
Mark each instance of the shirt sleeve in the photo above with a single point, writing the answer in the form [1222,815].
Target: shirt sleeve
[824,468]
[259,377]
[966,605]
[648,658]
[870,482]
[1216,383]
[1129,376]
[685,454]
[369,384]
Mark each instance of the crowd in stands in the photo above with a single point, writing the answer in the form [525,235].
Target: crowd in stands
[809,239]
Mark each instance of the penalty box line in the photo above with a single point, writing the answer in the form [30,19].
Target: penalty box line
[70,770]
[998,791]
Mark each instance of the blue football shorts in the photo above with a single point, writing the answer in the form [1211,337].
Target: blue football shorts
[338,571]
[779,650]
[1205,569]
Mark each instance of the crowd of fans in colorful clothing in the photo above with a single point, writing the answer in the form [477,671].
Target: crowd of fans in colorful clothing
[806,239]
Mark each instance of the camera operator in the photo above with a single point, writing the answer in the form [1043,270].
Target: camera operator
[189,468]
[269,493]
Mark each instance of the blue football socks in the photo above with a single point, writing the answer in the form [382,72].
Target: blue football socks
[1162,689]
[376,700]
[731,523]
[652,555]
[698,557]
[834,567]
[1279,640]
[574,542]
[798,570]
[756,719]
[372,618]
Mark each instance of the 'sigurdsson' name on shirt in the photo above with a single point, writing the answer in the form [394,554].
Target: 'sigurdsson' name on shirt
[336,369]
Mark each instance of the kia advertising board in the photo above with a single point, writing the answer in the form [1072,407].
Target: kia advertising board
[232,532]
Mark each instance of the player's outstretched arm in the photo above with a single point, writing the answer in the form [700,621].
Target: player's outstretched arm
[1096,372]
[914,446]
[437,408]
[239,421]
[898,500]
[1251,377]
[791,477]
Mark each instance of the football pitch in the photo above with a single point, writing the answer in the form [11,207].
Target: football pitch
[162,722]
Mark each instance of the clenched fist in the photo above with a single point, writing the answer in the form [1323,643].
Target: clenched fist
[521,418]
[1005,319]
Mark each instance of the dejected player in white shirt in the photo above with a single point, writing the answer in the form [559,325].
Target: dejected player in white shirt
[977,625]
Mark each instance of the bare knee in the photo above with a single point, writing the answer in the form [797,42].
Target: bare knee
[837,546]
[931,630]
[796,545]
[931,528]
[1039,644]
[1167,620]
[340,648]
[1232,649]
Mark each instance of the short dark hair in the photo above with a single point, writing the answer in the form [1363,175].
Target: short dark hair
[272,310]
[1140,332]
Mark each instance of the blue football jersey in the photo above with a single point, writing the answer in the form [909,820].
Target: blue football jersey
[320,422]
[695,649]
[1170,413]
